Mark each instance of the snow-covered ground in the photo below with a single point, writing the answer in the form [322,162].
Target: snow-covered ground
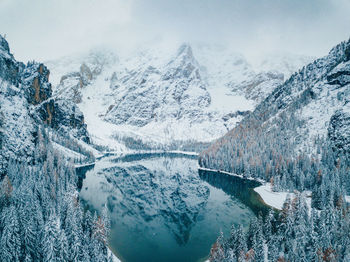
[270,198]
[183,152]
[114,257]
[94,105]
[67,152]
[273,199]
[276,199]
[230,174]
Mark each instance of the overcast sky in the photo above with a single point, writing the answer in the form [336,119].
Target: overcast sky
[47,29]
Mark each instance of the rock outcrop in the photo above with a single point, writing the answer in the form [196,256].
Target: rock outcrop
[9,68]
[339,131]
[176,91]
[259,86]
[35,77]
[27,102]
[164,99]
[72,83]
[340,75]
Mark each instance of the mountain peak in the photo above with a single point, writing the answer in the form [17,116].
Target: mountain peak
[183,64]
[347,51]
[3,44]
[185,50]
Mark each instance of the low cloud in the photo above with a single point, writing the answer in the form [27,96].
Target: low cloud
[45,30]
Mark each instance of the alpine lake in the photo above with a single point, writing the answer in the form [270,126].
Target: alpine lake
[163,208]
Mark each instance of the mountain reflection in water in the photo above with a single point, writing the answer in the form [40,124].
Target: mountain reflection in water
[162,208]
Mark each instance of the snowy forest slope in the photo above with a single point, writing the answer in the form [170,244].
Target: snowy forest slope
[298,118]
[40,214]
[297,139]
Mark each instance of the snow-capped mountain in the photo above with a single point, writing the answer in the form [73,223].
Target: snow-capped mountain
[154,99]
[313,104]
[26,104]
[177,91]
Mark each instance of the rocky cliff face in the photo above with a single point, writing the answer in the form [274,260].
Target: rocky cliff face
[35,77]
[339,131]
[162,98]
[9,69]
[26,102]
[259,86]
[75,73]
[175,91]
[339,124]
[60,114]
[340,75]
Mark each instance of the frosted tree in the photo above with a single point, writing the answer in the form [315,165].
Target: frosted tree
[11,243]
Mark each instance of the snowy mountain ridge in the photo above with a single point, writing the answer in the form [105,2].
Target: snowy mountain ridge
[308,112]
[155,99]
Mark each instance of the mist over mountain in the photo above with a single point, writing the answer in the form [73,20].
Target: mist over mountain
[174,131]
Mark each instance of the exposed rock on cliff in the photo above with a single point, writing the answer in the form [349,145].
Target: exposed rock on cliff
[27,102]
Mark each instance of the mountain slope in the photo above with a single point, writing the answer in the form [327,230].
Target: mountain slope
[26,104]
[150,99]
[152,95]
[41,218]
[288,126]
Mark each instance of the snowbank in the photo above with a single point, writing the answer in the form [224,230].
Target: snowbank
[230,174]
[68,152]
[276,199]
[273,199]
[347,199]
[115,259]
[187,153]
[84,165]
[270,198]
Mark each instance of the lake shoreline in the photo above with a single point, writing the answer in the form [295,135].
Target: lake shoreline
[261,190]
[165,178]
